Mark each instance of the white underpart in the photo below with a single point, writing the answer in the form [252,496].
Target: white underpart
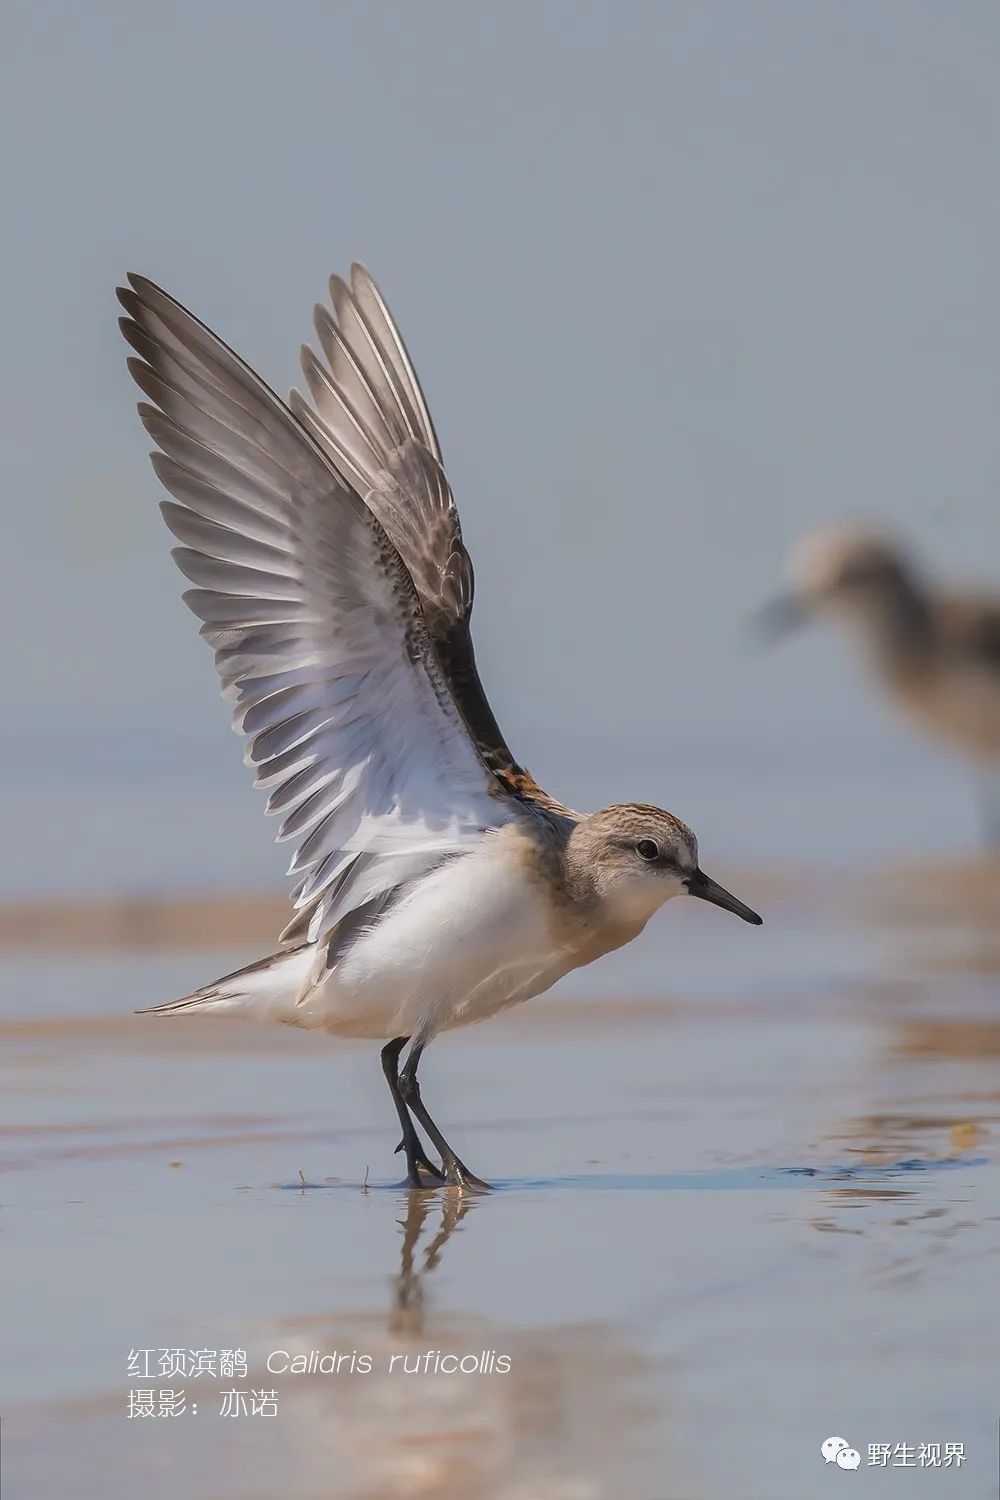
[469,940]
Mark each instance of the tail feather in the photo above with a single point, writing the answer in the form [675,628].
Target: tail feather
[266,989]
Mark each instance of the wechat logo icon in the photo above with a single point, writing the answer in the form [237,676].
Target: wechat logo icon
[837,1450]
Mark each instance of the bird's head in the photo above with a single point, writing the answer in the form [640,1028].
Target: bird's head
[635,857]
[847,570]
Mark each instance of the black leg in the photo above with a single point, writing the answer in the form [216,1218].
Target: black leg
[456,1173]
[416,1157]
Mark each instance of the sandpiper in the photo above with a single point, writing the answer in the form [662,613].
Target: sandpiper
[936,652]
[437,883]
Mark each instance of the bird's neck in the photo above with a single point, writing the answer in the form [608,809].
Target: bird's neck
[596,919]
[895,627]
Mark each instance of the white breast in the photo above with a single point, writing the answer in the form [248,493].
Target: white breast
[469,939]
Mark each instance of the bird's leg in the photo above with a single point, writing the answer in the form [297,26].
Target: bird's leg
[416,1157]
[456,1173]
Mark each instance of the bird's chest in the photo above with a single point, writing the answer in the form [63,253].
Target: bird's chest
[466,937]
[959,703]
[590,943]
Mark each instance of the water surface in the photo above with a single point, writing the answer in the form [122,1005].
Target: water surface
[751,1202]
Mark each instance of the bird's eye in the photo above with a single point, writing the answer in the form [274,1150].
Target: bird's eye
[646,849]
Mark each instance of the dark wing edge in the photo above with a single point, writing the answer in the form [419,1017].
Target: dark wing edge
[370,416]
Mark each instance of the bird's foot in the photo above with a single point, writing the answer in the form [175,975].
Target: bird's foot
[457,1174]
[420,1161]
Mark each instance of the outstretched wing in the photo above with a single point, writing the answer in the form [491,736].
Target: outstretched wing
[370,416]
[318,632]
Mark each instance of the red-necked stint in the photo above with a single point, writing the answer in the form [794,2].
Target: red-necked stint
[437,883]
[936,652]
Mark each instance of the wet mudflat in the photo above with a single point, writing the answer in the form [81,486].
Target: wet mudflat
[748,1196]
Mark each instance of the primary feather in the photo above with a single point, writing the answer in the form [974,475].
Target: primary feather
[370,416]
[318,631]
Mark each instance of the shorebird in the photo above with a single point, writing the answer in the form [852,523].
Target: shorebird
[937,653]
[437,882]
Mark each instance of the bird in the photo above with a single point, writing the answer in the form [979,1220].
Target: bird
[437,884]
[935,651]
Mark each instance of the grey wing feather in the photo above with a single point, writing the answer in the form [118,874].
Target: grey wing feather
[370,415]
[318,632]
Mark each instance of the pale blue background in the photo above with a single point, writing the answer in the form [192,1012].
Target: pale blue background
[681,279]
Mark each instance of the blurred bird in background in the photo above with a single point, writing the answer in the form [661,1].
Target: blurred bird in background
[935,651]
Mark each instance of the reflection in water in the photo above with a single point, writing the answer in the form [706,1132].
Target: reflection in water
[541,1413]
[568,1419]
[408,1310]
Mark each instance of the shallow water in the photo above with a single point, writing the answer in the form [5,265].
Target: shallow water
[748,1194]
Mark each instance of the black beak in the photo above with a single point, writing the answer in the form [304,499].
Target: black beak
[699,885]
[778,617]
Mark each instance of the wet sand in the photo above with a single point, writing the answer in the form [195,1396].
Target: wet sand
[748,1195]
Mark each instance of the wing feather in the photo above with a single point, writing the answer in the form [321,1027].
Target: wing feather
[318,632]
[370,416]
[369,413]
